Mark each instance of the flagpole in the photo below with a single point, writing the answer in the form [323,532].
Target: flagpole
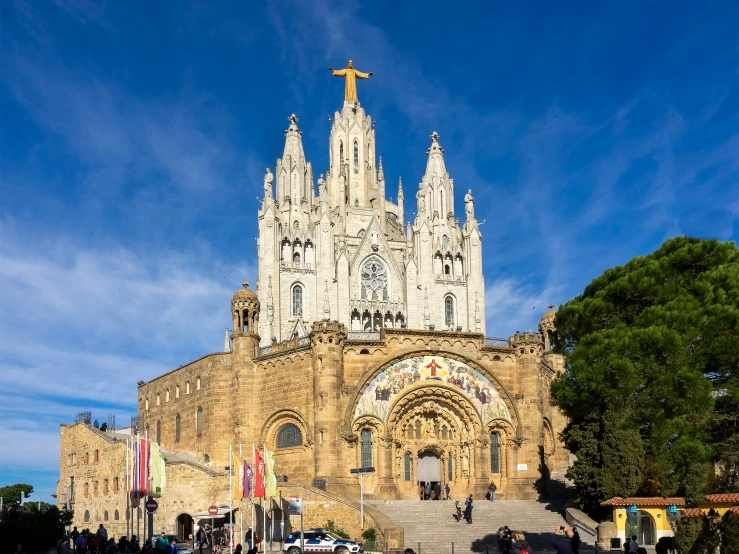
[231,496]
[128,511]
[254,466]
[138,504]
[264,501]
[241,500]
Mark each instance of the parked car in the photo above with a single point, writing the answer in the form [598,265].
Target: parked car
[318,540]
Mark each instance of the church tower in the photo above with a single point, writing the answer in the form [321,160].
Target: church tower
[342,253]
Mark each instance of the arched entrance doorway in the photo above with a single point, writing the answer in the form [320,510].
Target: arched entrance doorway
[185,527]
[429,473]
[641,524]
[439,431]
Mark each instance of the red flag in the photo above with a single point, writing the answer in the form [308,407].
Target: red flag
[259,477]
[144,469]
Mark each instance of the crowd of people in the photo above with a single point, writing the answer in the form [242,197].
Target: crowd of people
[87,542]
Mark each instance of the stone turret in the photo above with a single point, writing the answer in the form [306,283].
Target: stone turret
[245,315]
[327,340]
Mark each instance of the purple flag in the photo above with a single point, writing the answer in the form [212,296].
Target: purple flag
[247,480]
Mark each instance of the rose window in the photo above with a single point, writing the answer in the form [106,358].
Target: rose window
[374,280]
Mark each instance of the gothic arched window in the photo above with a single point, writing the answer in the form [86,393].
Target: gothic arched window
[289,435]
[494,453]
[296,257]
[177,428]
[450,468]
[341,152]
[159,432]
[374,280]
[366,448]
[199,421]
[297,301]
[449,311]
[356,157]
[407,464]
[87,516]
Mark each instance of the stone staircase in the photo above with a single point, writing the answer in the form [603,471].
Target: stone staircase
[430,524]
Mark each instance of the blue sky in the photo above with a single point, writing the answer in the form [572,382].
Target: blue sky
[134,137]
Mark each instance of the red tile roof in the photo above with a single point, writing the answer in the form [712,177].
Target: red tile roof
[728,498]
[734,510]
[693,512]
[644,501]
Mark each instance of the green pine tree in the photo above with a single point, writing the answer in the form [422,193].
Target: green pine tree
[652,380]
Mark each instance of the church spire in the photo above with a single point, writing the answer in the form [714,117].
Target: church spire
[401,202]
[435,164]
[380,172]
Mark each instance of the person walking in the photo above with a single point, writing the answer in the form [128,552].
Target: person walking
[633,545]
[421,490]
[468,510]
[446,490]
[202,538]
[162,544]
[133,546]
[519,544]
[80,544]
[627,544]
[457,511]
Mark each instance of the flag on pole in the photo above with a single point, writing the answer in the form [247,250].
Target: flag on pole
[247,480]
[141,457]
[158,476]
[271,478]
[238,482]
[259,479]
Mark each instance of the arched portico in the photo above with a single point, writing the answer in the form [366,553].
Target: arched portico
[429,419]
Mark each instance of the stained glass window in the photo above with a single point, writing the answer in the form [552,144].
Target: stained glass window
[450,468]
[297,300]
[289,435]
[449,311]
[366,448]
[494,453]
[407,462]
[356,157]
[374,280]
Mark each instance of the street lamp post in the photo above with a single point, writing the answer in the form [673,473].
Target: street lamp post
[361,471]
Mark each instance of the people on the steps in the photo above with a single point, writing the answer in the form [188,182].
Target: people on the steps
[457,511]
[562,540]
[468,510]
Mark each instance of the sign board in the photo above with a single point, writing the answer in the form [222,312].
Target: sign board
[523,467]
[631,509]
[213,510]
[362,470]
[672,509]
[151,506]
[296,505]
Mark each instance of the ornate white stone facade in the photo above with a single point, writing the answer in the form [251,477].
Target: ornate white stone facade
[347,253]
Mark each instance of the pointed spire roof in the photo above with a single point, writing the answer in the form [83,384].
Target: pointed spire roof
[380,172]
[400,188]
[435,163]
[293,142]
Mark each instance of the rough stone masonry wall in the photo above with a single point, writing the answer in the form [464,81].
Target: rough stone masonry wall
[78,445]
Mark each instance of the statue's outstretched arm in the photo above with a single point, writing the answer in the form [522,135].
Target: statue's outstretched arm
[361,75]
[338,72]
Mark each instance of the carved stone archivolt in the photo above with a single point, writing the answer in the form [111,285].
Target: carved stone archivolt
[277,420]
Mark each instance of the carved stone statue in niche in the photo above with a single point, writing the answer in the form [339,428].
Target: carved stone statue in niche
[465,461]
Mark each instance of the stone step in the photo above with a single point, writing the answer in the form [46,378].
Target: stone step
[430,524]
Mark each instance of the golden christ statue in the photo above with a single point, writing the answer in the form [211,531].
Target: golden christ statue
[351,74]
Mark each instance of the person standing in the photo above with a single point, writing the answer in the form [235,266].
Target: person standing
[562,540]
[575,542]
[468,510]
[633,545]
[427,491]
[203,538]
[627,544]
[458,512]
[162,544]
[491,490]
[446,490]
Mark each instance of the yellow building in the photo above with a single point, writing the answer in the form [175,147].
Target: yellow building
[651,518]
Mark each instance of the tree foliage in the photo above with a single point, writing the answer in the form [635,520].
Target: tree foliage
[36,530]
[12,493]
[652,380]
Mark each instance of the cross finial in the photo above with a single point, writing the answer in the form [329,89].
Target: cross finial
[435,136]
[292,119]
[551,306]
[245,284]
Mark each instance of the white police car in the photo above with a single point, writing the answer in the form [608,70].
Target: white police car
[318,540]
